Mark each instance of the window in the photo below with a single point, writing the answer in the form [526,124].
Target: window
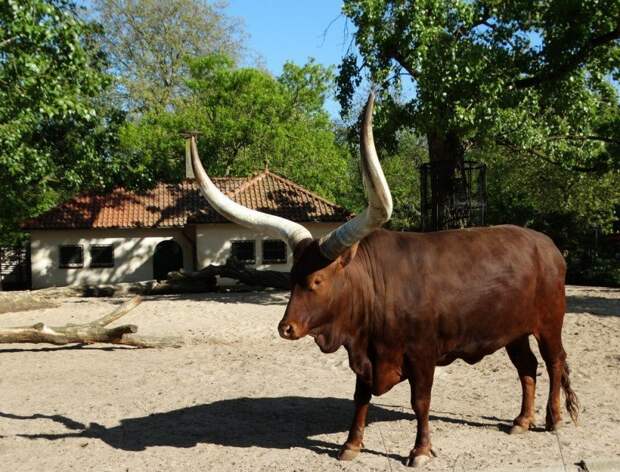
[274,251]
[70,257]
[243,251]
[102,256]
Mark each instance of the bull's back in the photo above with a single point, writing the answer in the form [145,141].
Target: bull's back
[470,292]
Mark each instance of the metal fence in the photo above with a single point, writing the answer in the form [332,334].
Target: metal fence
[15,271]
[453,196]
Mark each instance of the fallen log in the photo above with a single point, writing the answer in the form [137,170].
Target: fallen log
[88,333]
[232,269]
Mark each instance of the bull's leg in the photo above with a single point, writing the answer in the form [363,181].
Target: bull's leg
[421,386]
[525,361]
[354,443]
[554,355]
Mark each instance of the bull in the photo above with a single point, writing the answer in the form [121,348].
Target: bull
[403,303]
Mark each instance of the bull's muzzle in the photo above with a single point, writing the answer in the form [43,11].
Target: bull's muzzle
[288,330]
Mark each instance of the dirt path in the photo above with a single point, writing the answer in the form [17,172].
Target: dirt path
[239,398]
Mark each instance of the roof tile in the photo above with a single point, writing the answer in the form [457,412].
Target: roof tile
[175,205]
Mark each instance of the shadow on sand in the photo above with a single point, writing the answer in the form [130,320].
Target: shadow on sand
[256,297]
[591,304]
[271,423]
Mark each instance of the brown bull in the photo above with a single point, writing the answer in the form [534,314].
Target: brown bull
[403,303]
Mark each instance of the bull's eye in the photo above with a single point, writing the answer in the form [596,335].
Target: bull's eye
[313,283]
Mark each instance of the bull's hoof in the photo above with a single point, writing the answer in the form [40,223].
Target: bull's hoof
[518,429]
[418,461]
[522,424]
[553,421]
[348,453]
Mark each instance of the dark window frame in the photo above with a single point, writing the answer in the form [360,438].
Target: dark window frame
[101,265]
[70,265]
[244,241]
[274,260]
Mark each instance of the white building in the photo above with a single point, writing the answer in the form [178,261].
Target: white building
[128,236]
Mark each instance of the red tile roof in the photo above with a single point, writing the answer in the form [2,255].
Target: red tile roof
[175,205]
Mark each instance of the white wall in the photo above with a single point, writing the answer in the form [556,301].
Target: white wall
[134,249]
[133,255]
[213,243]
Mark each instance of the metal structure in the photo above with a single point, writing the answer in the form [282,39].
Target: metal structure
[15,268]
[453,195]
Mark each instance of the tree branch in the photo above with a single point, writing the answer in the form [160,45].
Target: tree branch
[538,154]
[120,311]
[88,333]
[603,139]
[7,41]
[483,20]
[576,60]
[393,53]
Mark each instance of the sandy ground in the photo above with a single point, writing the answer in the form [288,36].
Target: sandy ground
[237,397]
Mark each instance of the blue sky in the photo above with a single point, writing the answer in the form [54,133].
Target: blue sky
[293,30]
[281,30]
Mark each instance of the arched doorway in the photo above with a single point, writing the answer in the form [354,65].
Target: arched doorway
[168,257]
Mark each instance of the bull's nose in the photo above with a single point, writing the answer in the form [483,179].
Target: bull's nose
[286,330]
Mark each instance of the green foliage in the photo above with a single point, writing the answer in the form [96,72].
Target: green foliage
[521,75]
[401,172]
[523,190]
[599,270]
[247,120]
[148,42]
[479,66]
[531,88]
[54,133]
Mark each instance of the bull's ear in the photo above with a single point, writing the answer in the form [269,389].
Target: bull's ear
[348,255]
[300,248]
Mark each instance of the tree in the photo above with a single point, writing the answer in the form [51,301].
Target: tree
[55,134]
[533,78]
[399,167]
[148,42]
[248,120]
[573,208]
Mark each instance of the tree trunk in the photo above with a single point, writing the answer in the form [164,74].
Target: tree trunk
[447,156]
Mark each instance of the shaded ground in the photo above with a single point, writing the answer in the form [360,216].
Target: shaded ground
[237,397]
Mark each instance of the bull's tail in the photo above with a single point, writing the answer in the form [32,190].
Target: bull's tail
[572,402]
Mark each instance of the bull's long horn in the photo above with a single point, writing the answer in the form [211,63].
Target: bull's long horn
[274,226]
[379,207]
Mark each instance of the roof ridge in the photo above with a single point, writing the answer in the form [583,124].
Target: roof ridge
[227,179]
[302,189]
[217,177]
[253,179]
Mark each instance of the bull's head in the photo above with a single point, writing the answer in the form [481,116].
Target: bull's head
[318,276]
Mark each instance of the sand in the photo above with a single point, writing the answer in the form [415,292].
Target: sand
[236,397]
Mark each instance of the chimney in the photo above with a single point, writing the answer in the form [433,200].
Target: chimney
[189,170]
